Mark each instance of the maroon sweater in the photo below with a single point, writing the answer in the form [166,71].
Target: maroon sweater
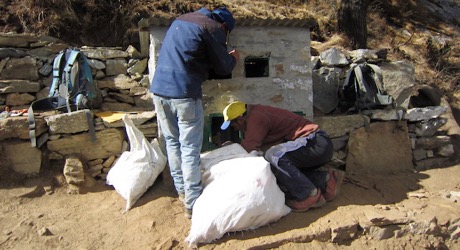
[267,126]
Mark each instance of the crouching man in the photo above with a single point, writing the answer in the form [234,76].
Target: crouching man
[294,146]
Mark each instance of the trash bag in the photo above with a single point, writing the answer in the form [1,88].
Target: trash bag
[136,170]
[240,193]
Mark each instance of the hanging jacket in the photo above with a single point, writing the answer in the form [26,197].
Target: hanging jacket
[194,44]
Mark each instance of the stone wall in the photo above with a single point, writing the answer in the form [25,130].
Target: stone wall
[26,75]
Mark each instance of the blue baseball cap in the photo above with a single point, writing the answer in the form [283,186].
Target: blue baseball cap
[224,16]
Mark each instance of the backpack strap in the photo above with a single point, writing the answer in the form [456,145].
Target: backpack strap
[383,98]
[56,73]
[347,86]
[359,77]
[377,76]
[41,104]
[88,85]
[361,85]
[92,130]
[31,120]
[349,73]
[68,68]
[70,76]
[86,68]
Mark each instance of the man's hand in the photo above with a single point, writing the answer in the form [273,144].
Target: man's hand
[235,54]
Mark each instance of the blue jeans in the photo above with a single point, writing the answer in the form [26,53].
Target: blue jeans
[181,123]
[301,177]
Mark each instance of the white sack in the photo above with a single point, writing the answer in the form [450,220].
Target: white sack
[241,195]
[209,159]
[136,170]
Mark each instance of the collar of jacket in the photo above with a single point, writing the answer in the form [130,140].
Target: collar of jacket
[205,12]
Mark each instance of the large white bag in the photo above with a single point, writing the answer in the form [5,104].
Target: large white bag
[136,170]
[211,158]
[240,193]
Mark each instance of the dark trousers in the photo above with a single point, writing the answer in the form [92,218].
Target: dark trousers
[303,176]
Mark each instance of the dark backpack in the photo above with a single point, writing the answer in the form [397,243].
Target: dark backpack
[72,89]
[363,88]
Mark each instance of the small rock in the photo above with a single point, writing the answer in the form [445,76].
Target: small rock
[455,196]
[44,232]
[417,195]
[73,170]
[109,162]
[48,190]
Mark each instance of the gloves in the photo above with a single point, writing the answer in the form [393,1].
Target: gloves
[226,143]
[256,153]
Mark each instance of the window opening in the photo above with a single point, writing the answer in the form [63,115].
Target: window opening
[214,136]
[256,66]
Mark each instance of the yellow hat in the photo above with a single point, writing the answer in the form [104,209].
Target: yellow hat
[232,111]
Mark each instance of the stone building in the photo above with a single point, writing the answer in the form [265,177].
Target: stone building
[275,67]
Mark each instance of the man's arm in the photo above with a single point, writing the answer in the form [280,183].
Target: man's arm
[222,61]
[256,129]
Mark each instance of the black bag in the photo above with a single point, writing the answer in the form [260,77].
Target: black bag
[363,88]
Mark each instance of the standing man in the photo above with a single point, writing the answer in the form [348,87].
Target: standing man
[194,44]
[295,146]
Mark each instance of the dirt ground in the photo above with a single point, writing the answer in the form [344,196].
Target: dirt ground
[40,213]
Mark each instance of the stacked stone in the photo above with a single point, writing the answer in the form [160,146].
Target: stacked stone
[431,144]
[100,168]
[26,75]
[428,134]
[414,137]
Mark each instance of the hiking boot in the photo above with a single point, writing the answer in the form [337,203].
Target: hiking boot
[310,202]
[188,213]
[333,184]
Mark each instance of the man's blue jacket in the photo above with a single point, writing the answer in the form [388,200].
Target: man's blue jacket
[194,44]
